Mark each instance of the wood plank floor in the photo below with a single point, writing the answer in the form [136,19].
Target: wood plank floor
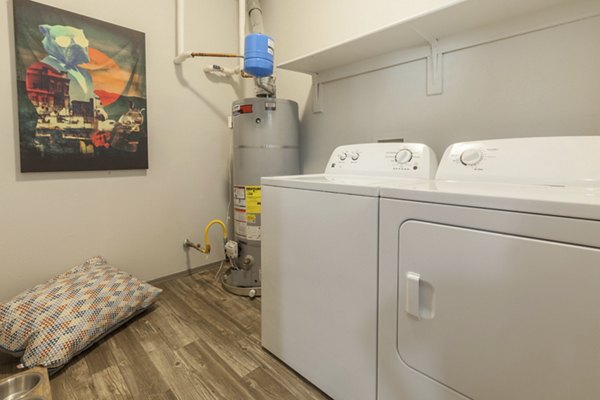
[198,342]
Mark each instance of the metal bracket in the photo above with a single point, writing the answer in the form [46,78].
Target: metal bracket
[435,69]
[317,94]
[435,64]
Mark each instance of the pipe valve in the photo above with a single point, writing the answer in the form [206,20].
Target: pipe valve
[207,247]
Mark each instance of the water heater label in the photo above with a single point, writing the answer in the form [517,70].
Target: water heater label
[239,197]
[271,47]
[247,204]
[253,232]
[241,109]
[239,214]
[253,200]
[240,228]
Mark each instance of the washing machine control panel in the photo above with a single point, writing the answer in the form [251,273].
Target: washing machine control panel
[403,156]
[410,160]
[556,161]
[471,156]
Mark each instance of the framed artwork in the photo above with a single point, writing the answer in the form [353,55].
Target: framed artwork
[81,87]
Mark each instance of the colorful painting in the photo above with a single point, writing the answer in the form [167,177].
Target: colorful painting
[81,88]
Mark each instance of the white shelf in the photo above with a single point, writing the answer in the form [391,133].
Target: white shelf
[462,24]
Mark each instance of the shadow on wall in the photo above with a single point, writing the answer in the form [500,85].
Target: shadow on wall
[237,84]
[306,120]
[13,92]
[214,79]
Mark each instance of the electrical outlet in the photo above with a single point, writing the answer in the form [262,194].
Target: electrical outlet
[231,249]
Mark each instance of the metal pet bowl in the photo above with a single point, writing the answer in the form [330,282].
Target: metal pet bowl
[16,387]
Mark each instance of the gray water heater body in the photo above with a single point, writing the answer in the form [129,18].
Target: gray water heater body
[266,138]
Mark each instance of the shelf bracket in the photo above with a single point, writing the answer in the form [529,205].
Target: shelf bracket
[435,64]
[317,95]
[435,69]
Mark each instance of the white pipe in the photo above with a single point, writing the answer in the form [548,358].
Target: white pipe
[255,13]
[180,34]
[222,71]
[181,55]
[242,28]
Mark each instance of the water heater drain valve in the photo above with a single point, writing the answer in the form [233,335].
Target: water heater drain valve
[231,249]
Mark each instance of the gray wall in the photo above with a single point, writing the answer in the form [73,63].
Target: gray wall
[542,83]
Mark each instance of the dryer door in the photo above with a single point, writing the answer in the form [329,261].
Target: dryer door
[498,317]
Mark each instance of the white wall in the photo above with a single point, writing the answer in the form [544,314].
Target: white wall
[301,27]
[543,83]
[136,219]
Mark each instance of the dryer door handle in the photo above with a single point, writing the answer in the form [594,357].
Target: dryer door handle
[420,297]
[413,286]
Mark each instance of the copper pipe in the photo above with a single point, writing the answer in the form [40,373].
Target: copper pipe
[216,55]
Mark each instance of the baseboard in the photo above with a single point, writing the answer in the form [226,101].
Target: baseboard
[190,271]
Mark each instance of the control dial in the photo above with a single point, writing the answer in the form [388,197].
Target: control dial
[343,156]
[403,156]
[354,155]
[471,156]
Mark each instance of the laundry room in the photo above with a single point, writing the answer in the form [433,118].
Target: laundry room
[254,199]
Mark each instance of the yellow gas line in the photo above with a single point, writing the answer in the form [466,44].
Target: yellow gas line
[206,248]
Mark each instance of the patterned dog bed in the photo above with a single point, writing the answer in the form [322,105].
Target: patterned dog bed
[50,323]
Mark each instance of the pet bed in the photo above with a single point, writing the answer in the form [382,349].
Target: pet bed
[52,322]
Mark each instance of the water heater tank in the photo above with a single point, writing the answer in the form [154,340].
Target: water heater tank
[265,143]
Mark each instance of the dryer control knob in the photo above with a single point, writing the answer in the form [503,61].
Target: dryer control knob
[343,156]
[403,156]
[471,156]
[354,156]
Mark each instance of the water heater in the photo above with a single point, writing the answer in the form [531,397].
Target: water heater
[265,143]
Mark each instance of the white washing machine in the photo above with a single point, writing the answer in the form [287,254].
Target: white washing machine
[489,278]
[319,271]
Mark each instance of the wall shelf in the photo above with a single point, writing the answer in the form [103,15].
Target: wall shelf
[460,25]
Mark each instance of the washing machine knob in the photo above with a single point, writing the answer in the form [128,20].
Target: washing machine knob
[354,156]
[471,156]
[403,156]
[342,156]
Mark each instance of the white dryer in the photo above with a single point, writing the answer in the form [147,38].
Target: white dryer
[319,270]
[489,280]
